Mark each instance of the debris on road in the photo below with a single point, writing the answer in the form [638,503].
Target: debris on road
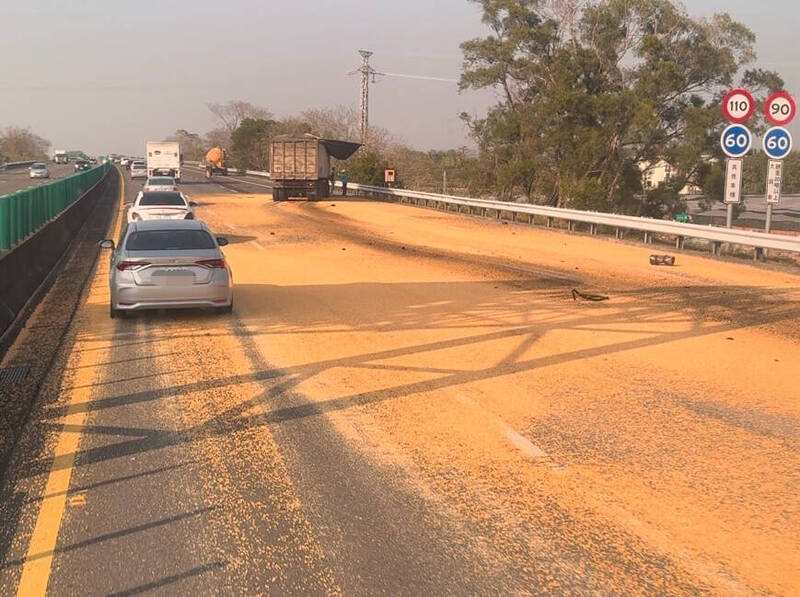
[588,296]
[662,259]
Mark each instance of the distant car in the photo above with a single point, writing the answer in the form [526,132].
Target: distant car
[159,183]
[92,160]
[38,170]
[168,265]
[82,164]
[161,206]
[124,162]
[138,169]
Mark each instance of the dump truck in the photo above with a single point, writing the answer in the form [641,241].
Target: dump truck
[164,157]
[301,166]
[216,162]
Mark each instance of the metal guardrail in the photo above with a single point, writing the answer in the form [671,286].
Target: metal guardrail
[648,226]
[12,165]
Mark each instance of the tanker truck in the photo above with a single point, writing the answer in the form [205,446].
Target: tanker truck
[216,162]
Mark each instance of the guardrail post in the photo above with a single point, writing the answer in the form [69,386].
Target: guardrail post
[549,222]
[758,254]
[647,238]
[679,242]
[716,247]
[14,218]
[593,229]
[5,224]
[570,226]
[617,233]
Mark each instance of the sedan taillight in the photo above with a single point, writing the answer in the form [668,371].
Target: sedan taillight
[123,265]
[212,263]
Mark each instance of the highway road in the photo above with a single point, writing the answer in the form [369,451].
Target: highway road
[18,178]
[785,216]
[410,402]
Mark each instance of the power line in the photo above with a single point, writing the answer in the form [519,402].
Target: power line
[421,77]
[368,75]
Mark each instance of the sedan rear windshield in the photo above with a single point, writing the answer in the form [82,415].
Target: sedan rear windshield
[38,166]
[162,199]
[169,240]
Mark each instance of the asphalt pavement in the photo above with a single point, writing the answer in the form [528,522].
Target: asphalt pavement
[19,178]
[410,402]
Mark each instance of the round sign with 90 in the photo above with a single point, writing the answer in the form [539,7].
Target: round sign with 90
[780,108]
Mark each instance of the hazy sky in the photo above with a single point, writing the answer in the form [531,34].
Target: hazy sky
[107,76]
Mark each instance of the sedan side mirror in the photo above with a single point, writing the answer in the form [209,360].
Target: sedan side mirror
[222,241]
[107,243]
[192,204]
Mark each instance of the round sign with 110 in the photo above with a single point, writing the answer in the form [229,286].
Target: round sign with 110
[777,143]
[738,105]
[736,140]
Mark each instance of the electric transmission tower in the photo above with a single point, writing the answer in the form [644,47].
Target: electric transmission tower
[367,72]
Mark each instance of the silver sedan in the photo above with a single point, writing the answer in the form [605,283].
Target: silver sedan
[168,264]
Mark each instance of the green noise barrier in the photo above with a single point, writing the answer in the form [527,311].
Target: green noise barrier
[24,212]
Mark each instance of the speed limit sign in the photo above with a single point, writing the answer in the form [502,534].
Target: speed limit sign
[738,106]
[736,140]
[780,108]
[777,143]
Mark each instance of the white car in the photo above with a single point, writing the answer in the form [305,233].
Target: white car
[138,169]
[39,170]
[124,162]
[159,183]
[170,205]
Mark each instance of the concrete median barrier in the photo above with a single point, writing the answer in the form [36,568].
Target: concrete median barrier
[24,268]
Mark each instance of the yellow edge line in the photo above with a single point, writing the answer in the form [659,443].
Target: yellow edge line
[39,559]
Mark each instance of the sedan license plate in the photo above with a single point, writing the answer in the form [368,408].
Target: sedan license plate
[174,277]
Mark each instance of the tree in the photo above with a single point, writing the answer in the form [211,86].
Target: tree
[231,113]
[19,144]
[250,143]
[341,122]
[590,89]
[218,137]
[367,168]
[192,145]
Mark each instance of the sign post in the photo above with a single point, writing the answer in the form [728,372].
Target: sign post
[736,141]
[738,106]
[780,109]
[733,186]
[774,180]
